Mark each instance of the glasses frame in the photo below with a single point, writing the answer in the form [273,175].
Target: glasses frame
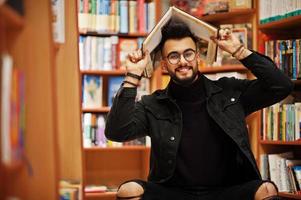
[181,54]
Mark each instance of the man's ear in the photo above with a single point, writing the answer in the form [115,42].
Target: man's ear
[163,65]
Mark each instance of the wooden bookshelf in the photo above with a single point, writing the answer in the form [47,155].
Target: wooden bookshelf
[107,34]
[104,72]
[235,16]
[287,23]
[100,195]
[284,29]
[122,148]
[267,142]
[105,109]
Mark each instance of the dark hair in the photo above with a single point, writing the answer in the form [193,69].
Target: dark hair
[175,29]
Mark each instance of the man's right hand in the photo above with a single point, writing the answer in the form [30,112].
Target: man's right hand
[135,63]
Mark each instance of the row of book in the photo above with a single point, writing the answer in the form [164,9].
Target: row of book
[106,53]
[287,56]
[70,190]
[93,133]
[282,122]
[92,90]
[116,16]
[12,112]
[283,169]
[273,10]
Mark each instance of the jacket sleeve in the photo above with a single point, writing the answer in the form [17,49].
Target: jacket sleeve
[270,87]
[126,119]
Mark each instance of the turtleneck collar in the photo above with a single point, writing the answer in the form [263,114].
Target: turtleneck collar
[192,92]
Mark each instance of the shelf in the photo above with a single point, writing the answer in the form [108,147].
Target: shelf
[104,72]
[290,195]
[100,194]
[235,16]
[280,142]
[123,148]
[287,23]
[96,110]
[106,34]
[11,17]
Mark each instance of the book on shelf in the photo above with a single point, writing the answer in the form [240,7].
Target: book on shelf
[12,112]
[195,8]
[202,30]
[287,56]
[116,16]
[93,130]
[240,4]
[58,20]
[70,190]
[92,91]
[126,46]
[282,122]
[216,6]
[273,10]
[281,169]
[114,83]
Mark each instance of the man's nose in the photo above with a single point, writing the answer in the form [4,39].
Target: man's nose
[183,61]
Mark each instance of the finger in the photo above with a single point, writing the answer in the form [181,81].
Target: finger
[140,53]
[214,39]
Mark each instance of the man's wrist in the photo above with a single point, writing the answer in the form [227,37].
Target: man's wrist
[130,82]
[242,53]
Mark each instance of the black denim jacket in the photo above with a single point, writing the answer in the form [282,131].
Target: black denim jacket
[229,101]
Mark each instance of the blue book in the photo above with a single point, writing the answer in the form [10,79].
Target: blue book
[124,16]
[114,84]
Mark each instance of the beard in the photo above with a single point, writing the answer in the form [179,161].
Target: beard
[184,81]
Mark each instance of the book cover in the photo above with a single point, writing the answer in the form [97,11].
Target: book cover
[92,91]
[200,29]
[114,84]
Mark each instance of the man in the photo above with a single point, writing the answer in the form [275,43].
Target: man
[200,148]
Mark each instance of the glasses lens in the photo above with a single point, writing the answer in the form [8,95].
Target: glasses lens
[189,55]
[173,58]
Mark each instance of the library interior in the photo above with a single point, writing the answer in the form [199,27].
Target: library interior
[63,61]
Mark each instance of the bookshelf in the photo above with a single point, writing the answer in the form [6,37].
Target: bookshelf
[109,165]
[52,121]
[32,54]
[282,29]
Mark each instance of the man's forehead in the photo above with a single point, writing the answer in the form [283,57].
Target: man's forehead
[179,45]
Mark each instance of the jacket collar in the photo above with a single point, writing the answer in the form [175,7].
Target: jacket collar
[209,85]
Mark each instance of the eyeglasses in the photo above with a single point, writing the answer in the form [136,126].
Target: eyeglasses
[175,57]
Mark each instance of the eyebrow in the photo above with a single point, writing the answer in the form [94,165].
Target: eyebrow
[178,52]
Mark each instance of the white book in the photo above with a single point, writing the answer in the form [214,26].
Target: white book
[6,79]
[100,47]
[200,29]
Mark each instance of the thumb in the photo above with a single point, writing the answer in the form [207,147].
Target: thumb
[214,39]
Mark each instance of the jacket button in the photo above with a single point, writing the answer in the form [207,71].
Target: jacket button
[232,99]
[172,138]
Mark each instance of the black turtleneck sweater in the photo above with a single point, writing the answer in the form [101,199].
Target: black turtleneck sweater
[205,154]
